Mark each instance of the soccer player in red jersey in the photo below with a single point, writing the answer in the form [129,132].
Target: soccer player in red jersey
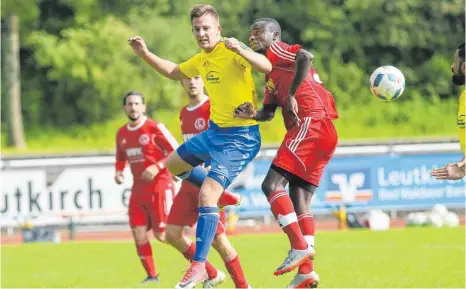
[308,110]
[194,119]
[145,145]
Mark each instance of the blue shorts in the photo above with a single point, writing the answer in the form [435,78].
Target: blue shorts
[228,150]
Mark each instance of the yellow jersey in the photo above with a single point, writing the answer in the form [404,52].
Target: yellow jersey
[460,121]
[228,82]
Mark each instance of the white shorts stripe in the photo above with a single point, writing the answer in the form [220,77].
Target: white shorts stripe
[301,135]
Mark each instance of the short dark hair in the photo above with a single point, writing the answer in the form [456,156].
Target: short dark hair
[199,10]
[132,92]
[271,24]
[461,51]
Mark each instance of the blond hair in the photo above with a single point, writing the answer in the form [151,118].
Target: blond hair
[199,10]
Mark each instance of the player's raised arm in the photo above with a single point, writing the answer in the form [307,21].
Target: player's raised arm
[165,67]
[257,61]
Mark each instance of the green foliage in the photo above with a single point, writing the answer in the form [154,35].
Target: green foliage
[76,64]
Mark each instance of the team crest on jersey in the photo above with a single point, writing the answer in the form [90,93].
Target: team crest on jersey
[270,85]
[317,78]
[199,123]
[144,139]
[213,76]
[123,141]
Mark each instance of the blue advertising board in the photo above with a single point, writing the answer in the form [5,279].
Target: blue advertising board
[366,182]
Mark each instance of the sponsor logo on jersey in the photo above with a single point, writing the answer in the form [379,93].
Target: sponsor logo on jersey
[460,121]
[213,76]
[144,139]
[134,152]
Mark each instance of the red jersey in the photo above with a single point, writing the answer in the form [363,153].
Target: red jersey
[312,97]
[141,146]
[195,119]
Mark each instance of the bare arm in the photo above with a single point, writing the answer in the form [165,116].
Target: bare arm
[257,61]
[247,111]
[303,62]
[266,113]
[165,67]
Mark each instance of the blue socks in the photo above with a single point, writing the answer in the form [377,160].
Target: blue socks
[205,232]
[196,176]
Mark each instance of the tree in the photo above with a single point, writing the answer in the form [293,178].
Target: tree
[14,115]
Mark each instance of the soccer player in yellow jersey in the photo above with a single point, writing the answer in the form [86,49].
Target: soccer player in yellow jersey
[229,143]
[456,171]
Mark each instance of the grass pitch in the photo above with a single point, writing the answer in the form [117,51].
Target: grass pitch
[406,258]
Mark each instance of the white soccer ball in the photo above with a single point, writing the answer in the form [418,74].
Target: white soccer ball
[387,83]
[416,219]
[440,209]
[435,220]
[451,220]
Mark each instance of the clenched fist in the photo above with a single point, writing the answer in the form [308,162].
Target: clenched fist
[139,45]
[234,45]
[246,111]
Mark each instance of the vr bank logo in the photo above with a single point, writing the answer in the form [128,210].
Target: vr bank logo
[349,186]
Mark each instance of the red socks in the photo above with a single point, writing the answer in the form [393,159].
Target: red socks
[236,272]
[283,210]
[306,223]
[145,254]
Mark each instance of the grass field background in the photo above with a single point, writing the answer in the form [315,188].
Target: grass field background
[399,258]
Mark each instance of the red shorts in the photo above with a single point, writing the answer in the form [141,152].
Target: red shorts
[307,149]
[151,209]
[184,210]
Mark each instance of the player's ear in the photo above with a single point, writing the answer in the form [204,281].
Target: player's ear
[462,67]
[219,29]
[276,36]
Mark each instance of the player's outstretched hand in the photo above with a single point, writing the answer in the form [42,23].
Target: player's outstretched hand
[292,108]
[246,111]
[150,173]
[119,179]
[449,172]
[234,45]
[138,44]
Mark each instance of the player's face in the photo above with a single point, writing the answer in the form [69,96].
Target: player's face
[260,38]
[206,30]
[134,107]
[193,86]
[457,67]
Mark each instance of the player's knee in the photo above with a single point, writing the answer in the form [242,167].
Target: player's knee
[176,165]
[172,234]
[269,187]
[139,234]
[160,236]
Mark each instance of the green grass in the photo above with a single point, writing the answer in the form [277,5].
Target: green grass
[406,258]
